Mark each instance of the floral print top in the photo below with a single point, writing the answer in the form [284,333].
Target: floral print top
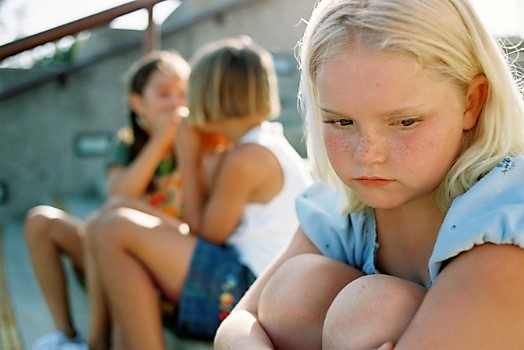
[164,192]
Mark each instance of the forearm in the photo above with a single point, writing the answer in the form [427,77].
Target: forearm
[189,155]
[475,303]
[194,195]
[132,181]
[241,330]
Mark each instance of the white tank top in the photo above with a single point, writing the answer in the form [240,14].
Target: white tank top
[265,229]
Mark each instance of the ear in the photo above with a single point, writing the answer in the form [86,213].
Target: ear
[134,102]
[475,100]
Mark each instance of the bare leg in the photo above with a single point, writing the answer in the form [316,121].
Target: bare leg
[294,303]
[142,252]
[49,232]
[99,322]
[370,311]
[119,341]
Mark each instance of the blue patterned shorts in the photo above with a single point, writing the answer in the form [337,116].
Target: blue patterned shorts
[215,283]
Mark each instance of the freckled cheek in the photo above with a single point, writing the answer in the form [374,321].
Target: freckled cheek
[419,151]
[410,149]
[337,146]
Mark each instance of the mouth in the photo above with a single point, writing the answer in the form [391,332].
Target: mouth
[373,181]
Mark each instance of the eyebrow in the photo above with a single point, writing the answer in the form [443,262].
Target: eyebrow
[410,110]
[329,111]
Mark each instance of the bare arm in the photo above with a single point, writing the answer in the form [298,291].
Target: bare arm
[189,150]
[241,329]
[213,213]
[132,181]
[233,188]
[475,303]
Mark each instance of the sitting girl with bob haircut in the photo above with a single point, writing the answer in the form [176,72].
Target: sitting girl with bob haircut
[239,218]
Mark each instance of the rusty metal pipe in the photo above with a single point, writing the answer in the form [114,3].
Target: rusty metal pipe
[151,39]
[100,19]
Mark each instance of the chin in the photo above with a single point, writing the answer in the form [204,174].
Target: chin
[381,203]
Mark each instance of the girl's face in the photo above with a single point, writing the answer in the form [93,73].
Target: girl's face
[391,129]
[163,93]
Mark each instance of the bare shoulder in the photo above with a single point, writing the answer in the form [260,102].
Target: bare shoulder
[253,172]
[252,159]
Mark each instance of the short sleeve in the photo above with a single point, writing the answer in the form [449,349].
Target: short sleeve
[347,238]
[492,211]
[118,153]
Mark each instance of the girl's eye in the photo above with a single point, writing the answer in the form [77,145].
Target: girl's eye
[341,122]
[406,123]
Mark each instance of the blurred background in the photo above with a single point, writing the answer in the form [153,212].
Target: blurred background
[62,100]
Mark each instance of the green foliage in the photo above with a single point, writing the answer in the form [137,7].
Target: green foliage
[63,55]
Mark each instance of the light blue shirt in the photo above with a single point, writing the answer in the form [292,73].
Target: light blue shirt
[492,211]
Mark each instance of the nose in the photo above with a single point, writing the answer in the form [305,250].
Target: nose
[176,100]
[370,147]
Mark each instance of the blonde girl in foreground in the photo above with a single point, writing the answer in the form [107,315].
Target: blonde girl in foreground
[413,238]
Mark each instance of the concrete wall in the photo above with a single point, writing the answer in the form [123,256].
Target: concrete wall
[38,127]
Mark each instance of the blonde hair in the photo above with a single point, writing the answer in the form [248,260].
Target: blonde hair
[445,36]
[232,78]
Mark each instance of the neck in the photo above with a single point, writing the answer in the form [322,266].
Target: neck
[406,238]
[236,133]
[423,212]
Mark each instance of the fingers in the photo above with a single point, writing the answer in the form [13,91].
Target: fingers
[386,346]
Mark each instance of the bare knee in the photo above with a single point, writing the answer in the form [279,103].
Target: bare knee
[104,224]
[370,311]
[292,286]
[114,203]
[100,230]
[38,222]
[295,300]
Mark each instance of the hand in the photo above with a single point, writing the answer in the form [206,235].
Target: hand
[166,125]
[188,141]
[386,346]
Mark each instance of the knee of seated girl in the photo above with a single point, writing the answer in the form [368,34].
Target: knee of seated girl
[303,288]
[370,311]
[40,222]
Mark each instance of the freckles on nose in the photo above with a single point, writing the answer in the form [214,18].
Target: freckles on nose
[362,144]
[371,147]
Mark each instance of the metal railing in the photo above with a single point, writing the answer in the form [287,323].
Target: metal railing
[97,20]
